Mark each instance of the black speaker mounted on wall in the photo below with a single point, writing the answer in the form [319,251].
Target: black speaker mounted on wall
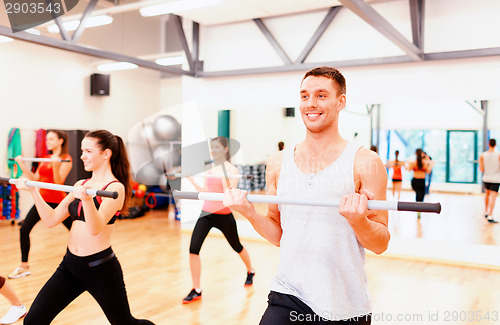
[289,111]
[99,84]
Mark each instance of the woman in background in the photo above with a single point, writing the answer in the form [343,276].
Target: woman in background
[420,167]
[397,175]
[215,214]
[48,172]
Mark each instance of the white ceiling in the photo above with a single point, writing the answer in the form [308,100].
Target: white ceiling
[238,10]
[228,11]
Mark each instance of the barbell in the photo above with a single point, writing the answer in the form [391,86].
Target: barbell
[239,176]
[272,199]
[62,188]
[40,159]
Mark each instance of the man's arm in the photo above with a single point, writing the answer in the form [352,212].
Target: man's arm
[269,225]
[370,226]
[481,163]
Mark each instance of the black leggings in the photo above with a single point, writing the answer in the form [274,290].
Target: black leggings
[100,274]
[29,222]
[418,185]
[223,222]
[286,309]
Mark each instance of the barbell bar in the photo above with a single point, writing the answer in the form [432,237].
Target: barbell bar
[62,188]
[239,176]
[272,199]
[40,159]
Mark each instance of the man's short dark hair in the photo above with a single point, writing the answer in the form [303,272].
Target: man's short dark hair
[493,142]
[330,73]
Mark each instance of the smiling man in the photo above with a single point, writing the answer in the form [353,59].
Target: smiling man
[321,277]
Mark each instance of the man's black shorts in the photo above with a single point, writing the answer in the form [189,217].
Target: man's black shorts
[286,309]
[491,186]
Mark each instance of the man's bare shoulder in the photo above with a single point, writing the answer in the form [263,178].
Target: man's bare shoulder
[365,155]
[367,161]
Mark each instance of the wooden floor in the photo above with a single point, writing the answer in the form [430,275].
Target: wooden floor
[153,252]
[461,220]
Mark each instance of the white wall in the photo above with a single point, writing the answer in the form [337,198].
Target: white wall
[459,79]
[494,113]
[446,115]
[171,96]
[259,131]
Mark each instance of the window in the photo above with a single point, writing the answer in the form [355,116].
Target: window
[461,152]
[454,152]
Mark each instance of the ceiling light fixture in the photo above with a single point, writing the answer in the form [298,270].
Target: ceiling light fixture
[90,22]
[5,39]
[176,6]
[33,31]
[116,66]
[175,60]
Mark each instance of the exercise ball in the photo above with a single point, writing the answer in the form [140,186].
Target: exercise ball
[166,128]
[148,174]
[166,157]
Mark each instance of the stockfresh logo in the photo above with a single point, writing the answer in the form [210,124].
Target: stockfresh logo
[25,14]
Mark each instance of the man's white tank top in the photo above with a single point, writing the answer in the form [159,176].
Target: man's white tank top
[491,165]
[321,261]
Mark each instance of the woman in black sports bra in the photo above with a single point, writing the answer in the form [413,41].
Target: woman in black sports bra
[89,264]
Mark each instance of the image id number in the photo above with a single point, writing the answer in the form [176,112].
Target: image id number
[32,8]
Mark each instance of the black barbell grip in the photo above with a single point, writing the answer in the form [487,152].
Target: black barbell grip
[419,206]
[4,180]
[110,194]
